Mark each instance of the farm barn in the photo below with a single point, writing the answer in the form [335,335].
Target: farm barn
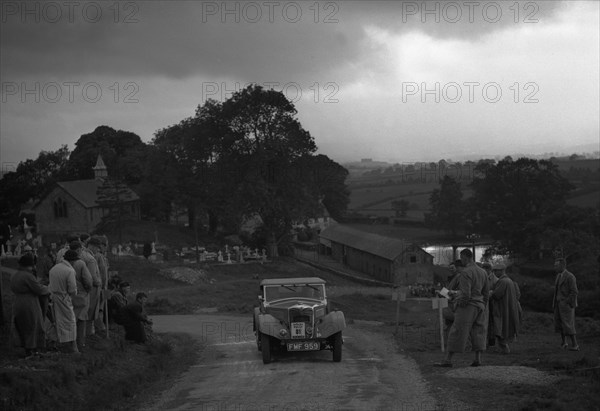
[384,258]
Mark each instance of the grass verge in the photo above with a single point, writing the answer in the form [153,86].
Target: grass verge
[111,374]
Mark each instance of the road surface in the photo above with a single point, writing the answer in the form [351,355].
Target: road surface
[231,375]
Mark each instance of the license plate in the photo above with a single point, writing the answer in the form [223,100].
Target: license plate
[304,346]
[297,330]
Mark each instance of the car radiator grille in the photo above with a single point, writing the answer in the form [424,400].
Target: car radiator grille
[301,315]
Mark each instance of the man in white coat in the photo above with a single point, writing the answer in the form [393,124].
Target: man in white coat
[63,287]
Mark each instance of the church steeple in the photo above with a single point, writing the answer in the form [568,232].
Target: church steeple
[100,171]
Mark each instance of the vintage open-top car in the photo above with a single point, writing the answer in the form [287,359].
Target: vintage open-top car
[294,316]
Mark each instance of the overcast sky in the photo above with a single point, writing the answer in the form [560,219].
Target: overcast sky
[394,81]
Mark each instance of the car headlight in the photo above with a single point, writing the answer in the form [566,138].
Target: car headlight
[283,332]
[309,330]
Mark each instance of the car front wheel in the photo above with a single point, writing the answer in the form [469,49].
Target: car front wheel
[265,342]
[337,347]
[258,342]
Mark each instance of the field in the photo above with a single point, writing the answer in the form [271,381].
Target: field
[589,199]
[372,194]
[365,196]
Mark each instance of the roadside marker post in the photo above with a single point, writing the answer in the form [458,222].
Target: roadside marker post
[398,295]
[440,303]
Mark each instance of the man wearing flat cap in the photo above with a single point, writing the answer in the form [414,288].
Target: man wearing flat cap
[564,303]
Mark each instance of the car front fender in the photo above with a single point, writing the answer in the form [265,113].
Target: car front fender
[331,324]
[255,322]
[267,324]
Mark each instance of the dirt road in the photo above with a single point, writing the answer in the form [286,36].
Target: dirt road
[231,375]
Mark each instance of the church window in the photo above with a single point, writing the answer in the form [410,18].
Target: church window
[60,208]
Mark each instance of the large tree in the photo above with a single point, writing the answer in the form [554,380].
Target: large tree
[123,152]
[448,211]
[30,181]
[188,150]
[326,181]
[267,141]
[513,198]
[247,157]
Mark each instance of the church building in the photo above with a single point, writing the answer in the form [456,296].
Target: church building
[73,207]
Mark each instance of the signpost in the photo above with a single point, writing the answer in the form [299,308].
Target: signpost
[440,303]
[398,295]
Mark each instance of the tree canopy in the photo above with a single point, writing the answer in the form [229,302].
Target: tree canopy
[123,152]
[30,181]
[447,207]
[513,200]
[249,156]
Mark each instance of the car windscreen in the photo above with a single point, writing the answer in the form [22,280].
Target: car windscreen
[278,292]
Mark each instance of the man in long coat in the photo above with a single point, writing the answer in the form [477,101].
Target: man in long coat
[96,292]
[564,303]
[81,301]
[491,280]
[470,319]
[94,246]
[27,319]
[63,287]
[506,308]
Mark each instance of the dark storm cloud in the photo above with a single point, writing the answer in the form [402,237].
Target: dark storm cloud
[174,39]
[183,39]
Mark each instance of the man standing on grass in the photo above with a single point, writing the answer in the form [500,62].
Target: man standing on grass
[96,293]
[94,246]
[470,319]
[63,287]
[507,309]
[564,303]
[81,301]
[491,280]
